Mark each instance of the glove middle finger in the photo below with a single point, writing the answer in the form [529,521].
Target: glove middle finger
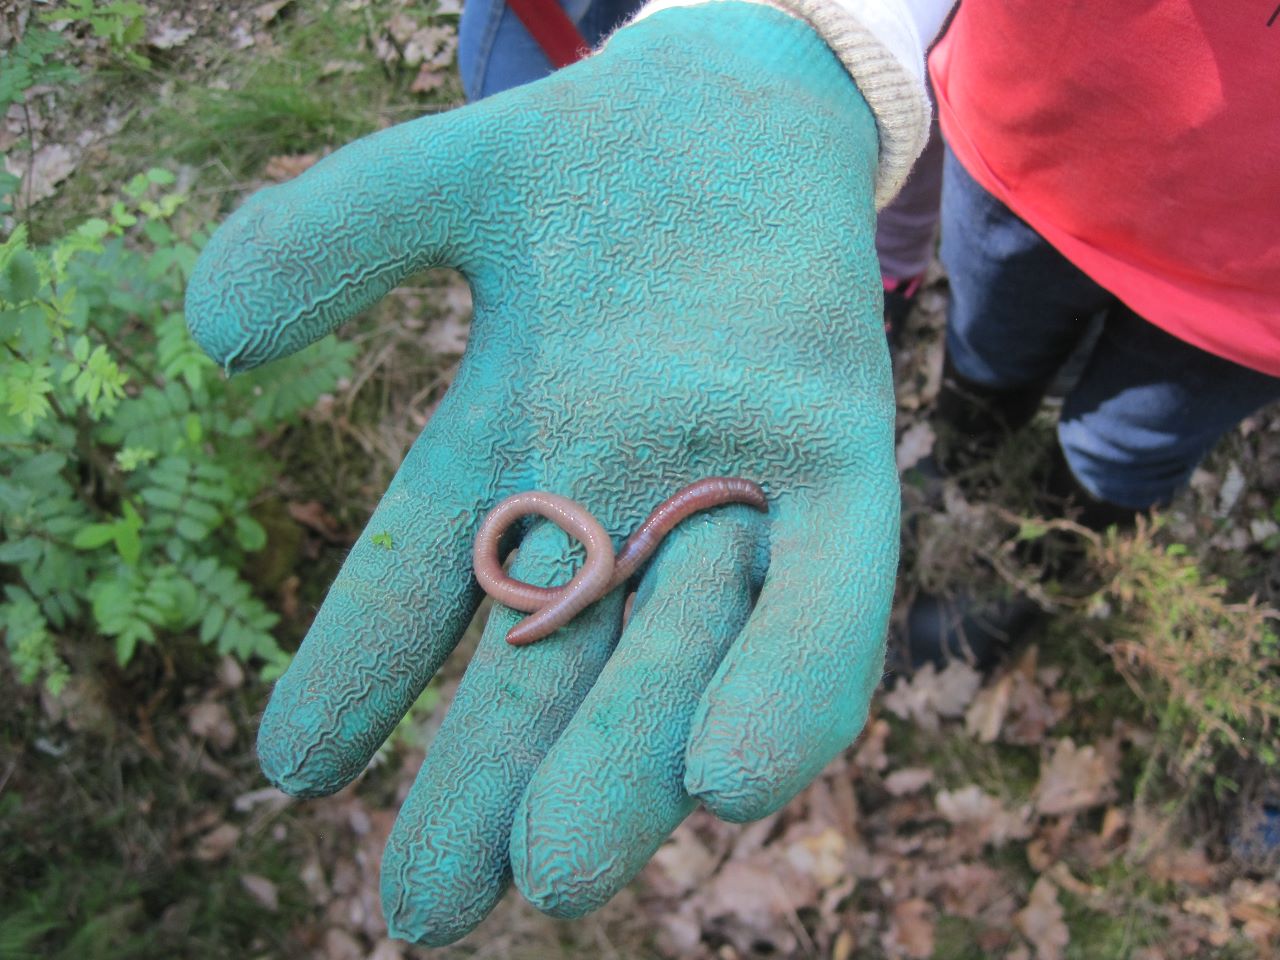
[612,787]
[447,862]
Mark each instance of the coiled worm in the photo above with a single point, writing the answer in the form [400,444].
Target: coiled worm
[550,608]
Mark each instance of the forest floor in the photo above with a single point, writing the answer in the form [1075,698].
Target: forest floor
[1097,796]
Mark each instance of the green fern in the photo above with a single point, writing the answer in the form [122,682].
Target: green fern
[126,484]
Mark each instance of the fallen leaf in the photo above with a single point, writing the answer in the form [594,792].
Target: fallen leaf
[448,334]
[341,66]
[751,903]
[822,857]
[431,47]
[313,515]
[910,931]
[1189,867]
[970,888]
[1041,921]
[429,78]
[915,444]
[931,694]
[217,843]
[168,36]
[870,753]
[41,174]
[212,722]
[1076,778]
[681,864]
[287,166]
[266,12]
[678,934]
[340,945]
[908,780]
[261,889]
[985,716]
[984,818]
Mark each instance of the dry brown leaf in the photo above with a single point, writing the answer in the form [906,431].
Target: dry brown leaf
[679,933]
[261,889]
[41,174]
[822,857]
[1019,706]
[313,515]
[910,931]
[1076,778]
[212,721]
[1189,867]
[1041,921]
[970,888]
[340,945]
[401,26]
[681,864]
[870,753]
[749,902]
[931,694]
[916,444]
[345,67]
[217,843]
[985,716]
[1214,910]
[983,817]
[167,36]
[287,166]
[448,334]
[1257,907]
[432,47]
[429,78]
[266,12]
[1113,822]
[908,780]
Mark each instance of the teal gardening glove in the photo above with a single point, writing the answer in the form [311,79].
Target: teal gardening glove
[670,247]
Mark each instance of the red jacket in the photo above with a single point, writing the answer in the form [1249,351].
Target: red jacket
[1142,140]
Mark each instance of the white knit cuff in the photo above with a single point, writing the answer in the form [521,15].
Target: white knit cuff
[880,44]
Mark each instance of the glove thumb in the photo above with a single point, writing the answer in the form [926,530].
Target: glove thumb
[300,258]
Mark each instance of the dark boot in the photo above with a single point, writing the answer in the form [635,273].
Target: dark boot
[980,629]
[971,420]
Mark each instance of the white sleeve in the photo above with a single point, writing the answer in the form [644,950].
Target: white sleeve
[882,44]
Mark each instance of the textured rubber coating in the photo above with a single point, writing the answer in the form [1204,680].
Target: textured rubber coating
[670,250]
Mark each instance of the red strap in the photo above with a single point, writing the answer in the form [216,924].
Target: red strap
[551,27]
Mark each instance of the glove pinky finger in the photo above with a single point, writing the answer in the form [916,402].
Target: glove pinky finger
[794,689]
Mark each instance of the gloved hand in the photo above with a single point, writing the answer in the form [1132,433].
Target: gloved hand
[670,250]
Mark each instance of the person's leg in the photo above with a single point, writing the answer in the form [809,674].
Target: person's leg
[906,231]
[1146,410]
[496,52]
[1017,310]
[1018,306]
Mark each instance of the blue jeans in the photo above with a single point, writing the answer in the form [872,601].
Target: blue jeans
[1147,406]
[495,51]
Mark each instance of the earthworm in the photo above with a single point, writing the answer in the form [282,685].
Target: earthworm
[550,608]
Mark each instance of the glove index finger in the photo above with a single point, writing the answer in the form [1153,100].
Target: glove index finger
[298,259]
[403,597]
[794,689]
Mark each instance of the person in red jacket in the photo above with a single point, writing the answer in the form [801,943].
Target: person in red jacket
[1081,181]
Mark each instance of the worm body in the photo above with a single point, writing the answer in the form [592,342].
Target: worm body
[550,608]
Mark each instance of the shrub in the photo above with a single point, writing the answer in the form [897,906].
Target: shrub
[128,468]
